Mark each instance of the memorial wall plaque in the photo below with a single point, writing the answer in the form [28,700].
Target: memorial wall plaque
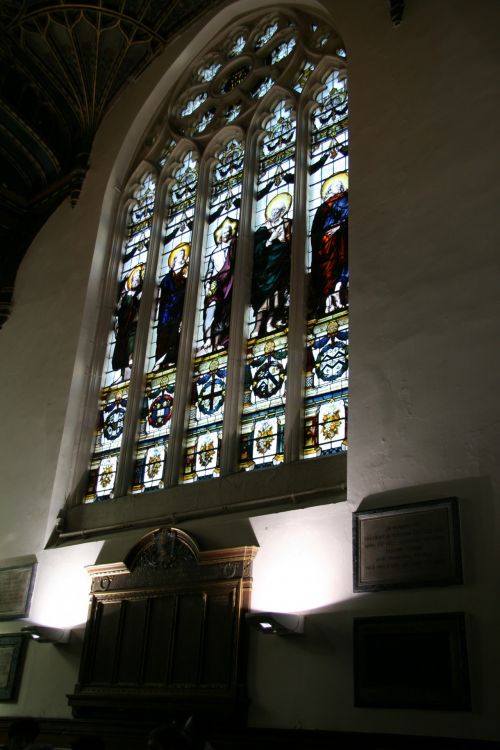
[412,661]
[16,587]
[407,546]
[12,651]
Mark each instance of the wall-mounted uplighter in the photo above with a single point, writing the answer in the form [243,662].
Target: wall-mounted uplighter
[44,634]
[277,623]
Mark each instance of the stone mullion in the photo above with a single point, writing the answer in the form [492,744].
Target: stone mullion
[296,332]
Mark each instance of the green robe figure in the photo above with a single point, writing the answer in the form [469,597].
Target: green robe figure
[271,267]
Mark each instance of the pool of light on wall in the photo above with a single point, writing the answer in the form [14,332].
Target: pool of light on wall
[62,586]
[297,566]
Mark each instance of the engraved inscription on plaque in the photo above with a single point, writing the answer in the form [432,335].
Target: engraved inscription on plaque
[414,545]
[15,591]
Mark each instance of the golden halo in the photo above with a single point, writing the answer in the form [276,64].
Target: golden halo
[339,177]
[182,246]
[282,199]
[228,222]
[140,267]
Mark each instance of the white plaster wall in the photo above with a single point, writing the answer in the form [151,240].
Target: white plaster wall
[424,406]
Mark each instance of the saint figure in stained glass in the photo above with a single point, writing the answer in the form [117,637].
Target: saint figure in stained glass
[219,287]
[271,266]
[329,263]
[171,302]
[126,314]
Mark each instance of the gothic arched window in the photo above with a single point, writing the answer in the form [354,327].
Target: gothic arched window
[227,349]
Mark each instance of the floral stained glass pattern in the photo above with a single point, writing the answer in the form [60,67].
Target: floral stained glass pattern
[161,372]
[262,428]
[327,329]
[212,332]
[113,397]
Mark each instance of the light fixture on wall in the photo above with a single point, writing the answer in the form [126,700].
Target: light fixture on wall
[277,623]
[44,634]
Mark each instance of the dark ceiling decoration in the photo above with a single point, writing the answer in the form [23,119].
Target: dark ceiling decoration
[396,10]
[62,63]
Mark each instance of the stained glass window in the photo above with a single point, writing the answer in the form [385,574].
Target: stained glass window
[327,328]
[158,400]
[119,361]
[230,332]
[262,429]
[204,432]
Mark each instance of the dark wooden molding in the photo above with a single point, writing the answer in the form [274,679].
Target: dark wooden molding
[165,635]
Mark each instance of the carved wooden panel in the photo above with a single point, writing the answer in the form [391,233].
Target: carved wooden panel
[164,631]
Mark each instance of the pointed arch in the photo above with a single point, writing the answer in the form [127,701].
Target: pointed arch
[220,377]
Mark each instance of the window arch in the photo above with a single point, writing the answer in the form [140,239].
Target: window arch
[227,350]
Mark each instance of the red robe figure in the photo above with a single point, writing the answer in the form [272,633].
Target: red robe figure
[218,282]
[329,276]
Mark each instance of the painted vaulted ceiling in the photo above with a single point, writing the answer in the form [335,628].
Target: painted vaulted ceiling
[62,62]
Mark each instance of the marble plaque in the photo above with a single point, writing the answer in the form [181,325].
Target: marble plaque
[407,546]
[16,585]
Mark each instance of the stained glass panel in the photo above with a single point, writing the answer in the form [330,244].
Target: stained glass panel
[193,104]
[303,76]
[262,87]
[326,379]
[209,72]
[232,112]
[235,79]
[237,46]
[113,397]
[161,372]
[267,35]
[214,314]
[204,121]
[282,51]
[263,417]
